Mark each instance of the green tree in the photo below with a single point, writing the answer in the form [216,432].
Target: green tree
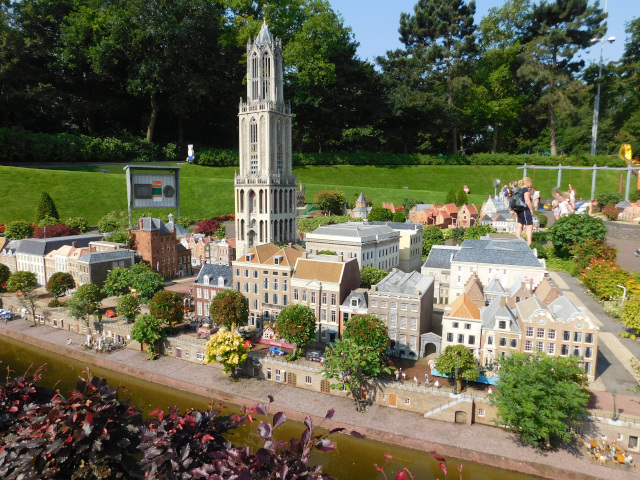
[140,277]
[442,33]
[167,305]
[455,234]
[461,198]
[330,201]
[371,276]
[128,306]
[22,281]
[399,216]
[226,347]
[540,397]
[379,214]
[297,325]
[46,207]
[369,331]
[18,229]
[148,330]
[25,284]
[48,221]
[59,283]
[457,361]
[85,302]
[431,236]
[477,231]
[355,367]
[556,32]
[229,308]
[409,203]
[451,197]
[573,229]
[5,273]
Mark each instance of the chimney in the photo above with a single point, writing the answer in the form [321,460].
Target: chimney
[305,255]
[73,244]
[503,301]
[341,258]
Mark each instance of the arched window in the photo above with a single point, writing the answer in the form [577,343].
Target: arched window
[266,75]
[279,147]
[254,147]
[255,74]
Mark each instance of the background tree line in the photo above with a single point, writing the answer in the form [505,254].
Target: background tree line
[172,71]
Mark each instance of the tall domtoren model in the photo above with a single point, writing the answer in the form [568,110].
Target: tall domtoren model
[265,188]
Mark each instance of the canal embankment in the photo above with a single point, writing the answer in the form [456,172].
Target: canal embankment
[477,443]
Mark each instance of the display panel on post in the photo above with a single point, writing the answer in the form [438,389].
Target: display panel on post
[152,187]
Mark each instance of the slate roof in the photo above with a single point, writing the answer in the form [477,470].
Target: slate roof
[42,246]
[12,246]
[497,252]
[440,256]
[407,283]
[361,295]
[494,287]
[264,37]
[400,225]
[151,225]
[495,312]
[213,272]
[180,230]
[351,229]
[111,256]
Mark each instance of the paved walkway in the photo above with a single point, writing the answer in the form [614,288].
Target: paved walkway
[478,443]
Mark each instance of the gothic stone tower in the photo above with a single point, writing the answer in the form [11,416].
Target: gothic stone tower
[265,189]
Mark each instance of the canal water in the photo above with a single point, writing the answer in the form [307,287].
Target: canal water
[354,458]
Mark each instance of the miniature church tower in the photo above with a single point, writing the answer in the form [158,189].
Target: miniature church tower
[265,189]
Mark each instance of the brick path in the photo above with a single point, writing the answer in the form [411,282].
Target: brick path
[477,443]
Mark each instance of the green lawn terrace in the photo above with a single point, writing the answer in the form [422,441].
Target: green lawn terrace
[91,191]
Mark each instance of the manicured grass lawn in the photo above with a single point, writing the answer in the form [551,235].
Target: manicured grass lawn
[88,192]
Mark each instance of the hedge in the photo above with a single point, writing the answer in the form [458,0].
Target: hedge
[22,146]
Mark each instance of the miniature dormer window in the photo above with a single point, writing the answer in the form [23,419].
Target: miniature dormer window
[277,260]
[354,302]
[221,281]
[205,280]
[502,325]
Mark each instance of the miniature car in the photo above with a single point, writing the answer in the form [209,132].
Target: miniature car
[637,253]
[276,351]
[111,313]
[248,344]
[315,356]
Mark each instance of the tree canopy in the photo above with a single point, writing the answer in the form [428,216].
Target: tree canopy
[85,302]
[367,330]
[457,361]
[297,325]
[139,277]
[167,305]
[539,397]
[60,283]
[227,348]
[371,276]
[229,308]
[148,330]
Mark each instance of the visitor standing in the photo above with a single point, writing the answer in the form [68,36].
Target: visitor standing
[466,189]
[525,213]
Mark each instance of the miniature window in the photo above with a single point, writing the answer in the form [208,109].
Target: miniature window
[481,412]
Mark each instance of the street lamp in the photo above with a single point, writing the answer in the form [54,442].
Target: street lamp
[596,103]
[614,417]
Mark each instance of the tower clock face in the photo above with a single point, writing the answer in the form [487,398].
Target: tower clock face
[169,191]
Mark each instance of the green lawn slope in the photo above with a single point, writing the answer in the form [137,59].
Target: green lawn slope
[89,192]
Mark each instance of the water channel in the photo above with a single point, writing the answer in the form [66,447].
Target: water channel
[354,458]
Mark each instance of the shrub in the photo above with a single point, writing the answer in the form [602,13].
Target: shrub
[79,223]
[451,197]
[380,214]
[592,249]
[48,221]
[113,221]
[461,198]
[606,198]
[574,229]
[60,230]
[610,212]
[330,200]
[602,277]
[400,216]
[46,207]
[310,224]
[326,252]
[18,229]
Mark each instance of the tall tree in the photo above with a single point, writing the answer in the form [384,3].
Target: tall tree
[59,284]
[229,308]
[458,362]
[85,302]
[441,31]
[25,284]
[557,31]
[46,208]
[167,305]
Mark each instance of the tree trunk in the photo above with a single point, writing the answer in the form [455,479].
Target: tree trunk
[91,126]
[454,130]
[155,111]
[552,129]
[494,145]
[459,384]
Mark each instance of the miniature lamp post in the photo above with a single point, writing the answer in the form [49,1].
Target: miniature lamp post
[614,417]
